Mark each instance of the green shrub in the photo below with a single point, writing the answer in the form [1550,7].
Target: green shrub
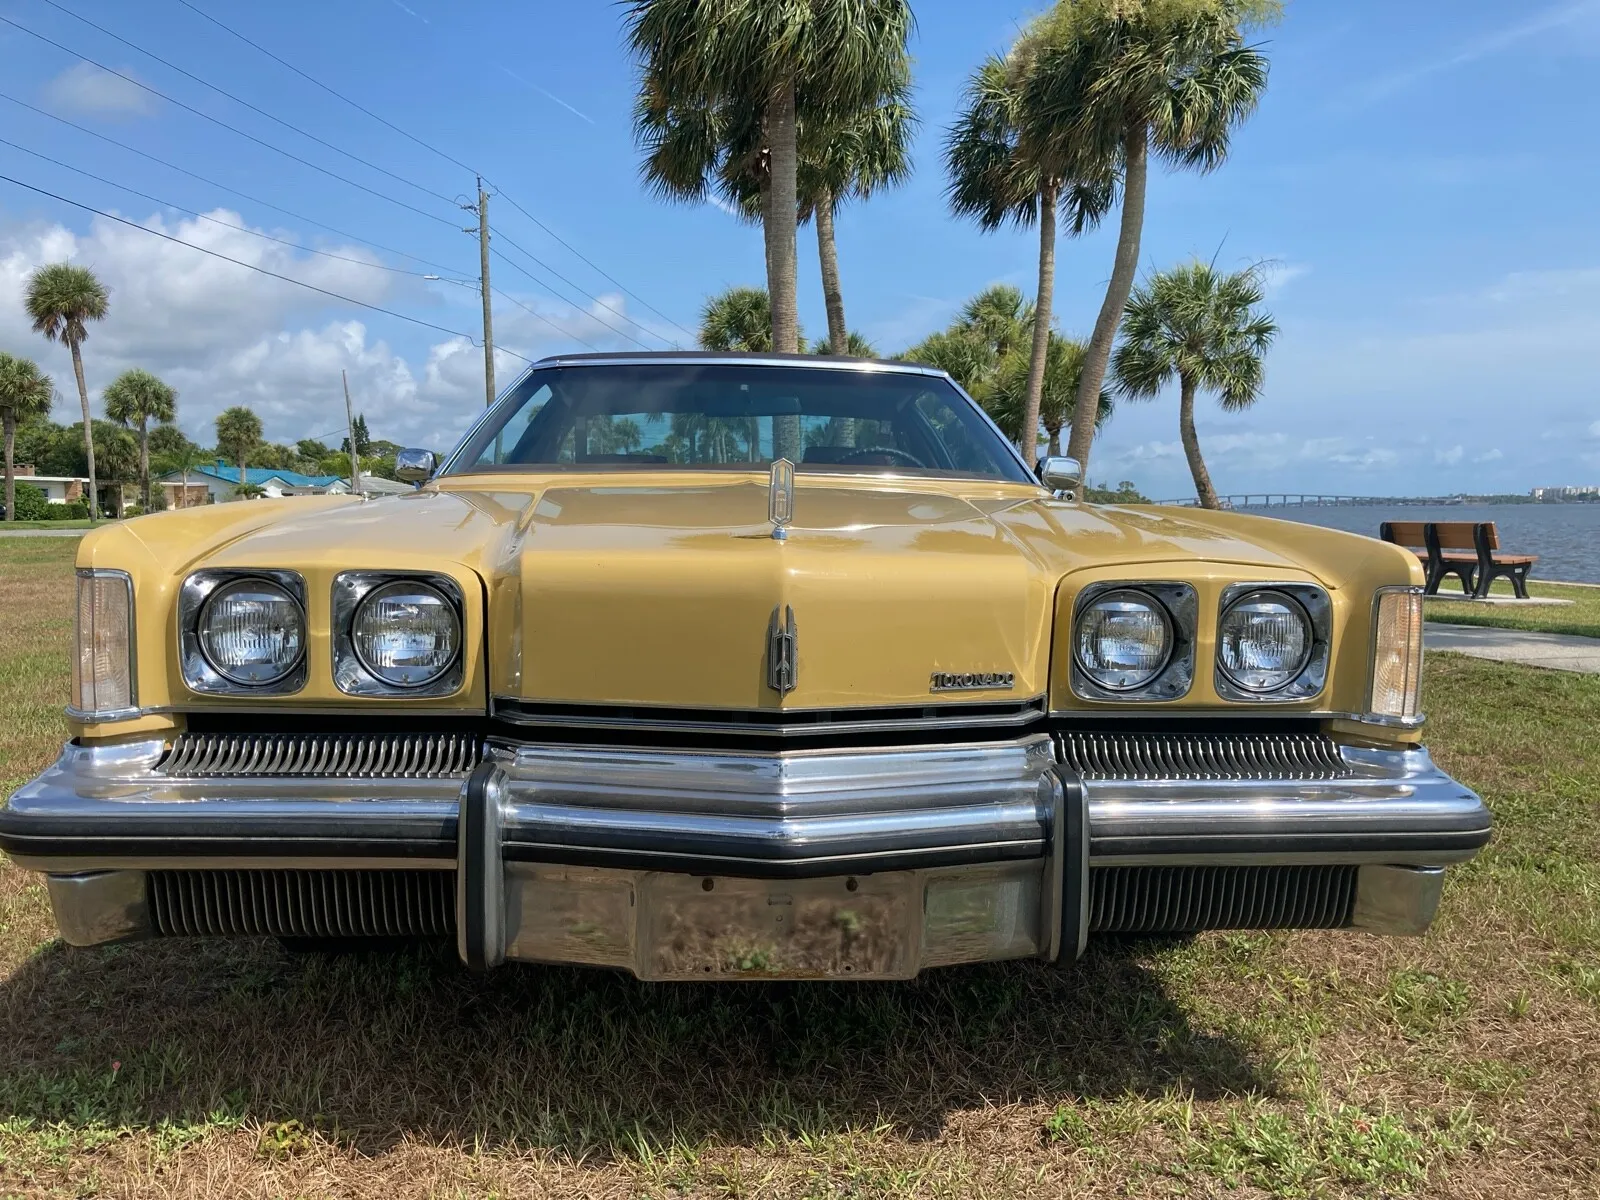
[31,503]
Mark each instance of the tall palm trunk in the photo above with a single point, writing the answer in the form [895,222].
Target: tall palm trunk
[144,463]
[88,426]
[1028,436]
[1054,449]
[1098,352]
[828,258]
[11,479]
[779,224]
[1191,444]
[833,296]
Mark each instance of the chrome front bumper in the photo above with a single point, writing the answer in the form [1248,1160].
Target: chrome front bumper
[871,863]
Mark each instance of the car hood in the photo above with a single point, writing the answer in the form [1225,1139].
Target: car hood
[664,591]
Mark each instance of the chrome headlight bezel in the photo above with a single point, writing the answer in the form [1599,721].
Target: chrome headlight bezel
[1180,604]
[350,674]
[195,667]
[1307,684]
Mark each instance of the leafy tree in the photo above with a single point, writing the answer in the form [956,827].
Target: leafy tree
[28,503]
[1063,369]
[992,326]
[135,398]
[1201,327]
[167,440]
[713,71]
[116,451]
[182,458]
[739,319]
[855,346]
[1002,171]
[238,433]
[363,440]
[1116,80]
[1126,492]
[61,300]
[308,448]
[25,393]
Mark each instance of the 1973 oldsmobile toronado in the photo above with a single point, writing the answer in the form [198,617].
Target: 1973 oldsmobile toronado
[711,667]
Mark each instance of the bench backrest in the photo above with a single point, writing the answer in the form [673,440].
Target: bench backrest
[1460,535]
[1403,533]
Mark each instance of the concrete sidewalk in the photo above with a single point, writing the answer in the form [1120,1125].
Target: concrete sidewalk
[1554,651]
[42,532]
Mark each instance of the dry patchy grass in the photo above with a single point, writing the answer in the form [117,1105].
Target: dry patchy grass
[1464,1064]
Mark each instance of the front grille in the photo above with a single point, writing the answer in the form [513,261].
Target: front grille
[1095,755]
[365,756]
[303,903]
[1189,899]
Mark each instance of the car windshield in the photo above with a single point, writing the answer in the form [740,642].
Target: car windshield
[698,416]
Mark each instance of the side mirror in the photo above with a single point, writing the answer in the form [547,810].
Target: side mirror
[1060,474]
[415,466]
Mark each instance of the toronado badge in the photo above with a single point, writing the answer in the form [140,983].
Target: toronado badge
[973,681]
[780,498]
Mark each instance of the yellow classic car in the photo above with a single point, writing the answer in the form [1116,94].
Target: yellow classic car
[722,666]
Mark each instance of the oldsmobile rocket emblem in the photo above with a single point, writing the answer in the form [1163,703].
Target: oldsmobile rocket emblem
[780,498]
[783,651]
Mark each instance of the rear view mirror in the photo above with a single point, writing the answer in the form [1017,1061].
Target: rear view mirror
[1060,474]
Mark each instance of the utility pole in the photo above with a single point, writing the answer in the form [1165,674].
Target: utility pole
[483,281]
[350,428]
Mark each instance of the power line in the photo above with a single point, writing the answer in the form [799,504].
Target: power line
[587,295]
[230,128]
[598,270]
[371,166]
[448,158]
[536,314]
[361,108]
[518,267]
[360,262]
[388,312]
[224,187]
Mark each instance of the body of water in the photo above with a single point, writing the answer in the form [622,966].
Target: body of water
[1566,537]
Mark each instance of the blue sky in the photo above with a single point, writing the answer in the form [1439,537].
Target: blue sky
[1421,179]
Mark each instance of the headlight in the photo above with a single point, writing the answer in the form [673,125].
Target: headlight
[406,633]
[1395,692]
[1264,641]
[102,668]
[252,632]
[1123,640]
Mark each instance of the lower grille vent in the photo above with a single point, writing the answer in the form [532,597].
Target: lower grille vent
[1189,899]
[303,903]
[380,756]
[1202,756]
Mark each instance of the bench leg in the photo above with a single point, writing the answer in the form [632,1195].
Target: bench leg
[1519,582]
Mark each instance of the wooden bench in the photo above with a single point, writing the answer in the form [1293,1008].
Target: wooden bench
[1469,550]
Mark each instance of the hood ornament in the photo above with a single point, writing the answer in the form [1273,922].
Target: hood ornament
[783,651]
[780,498]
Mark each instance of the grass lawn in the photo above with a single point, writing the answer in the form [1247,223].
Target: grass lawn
[1463,1064]
[83,524]
[1582,616]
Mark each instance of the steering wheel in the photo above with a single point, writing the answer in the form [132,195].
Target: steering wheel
[899,456]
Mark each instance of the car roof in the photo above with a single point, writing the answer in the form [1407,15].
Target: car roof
[747,358]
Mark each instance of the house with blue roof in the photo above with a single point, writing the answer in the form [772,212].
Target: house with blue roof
[217,482]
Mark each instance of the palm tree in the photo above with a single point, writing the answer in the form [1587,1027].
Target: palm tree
[135,398]
[1063,370]
[720,74]
[1000,317]
[1116,80]
[992,325]
[25,392]
[855,346]
[737,319]
[1003,171]
[238,433]
[1200,326]
[61,300]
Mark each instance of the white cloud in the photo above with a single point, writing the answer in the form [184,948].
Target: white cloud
[223,335]
[1489,456]
[1276,274]
[1594,430]
[86,88]
[1451,456]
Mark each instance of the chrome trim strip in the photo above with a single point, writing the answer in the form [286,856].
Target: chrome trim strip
[1024,712]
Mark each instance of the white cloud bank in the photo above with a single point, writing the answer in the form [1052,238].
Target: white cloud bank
[87,89]
[224,335]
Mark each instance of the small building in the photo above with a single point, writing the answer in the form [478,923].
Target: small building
[216,483]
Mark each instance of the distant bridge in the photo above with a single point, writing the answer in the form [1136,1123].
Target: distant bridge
[1313,500]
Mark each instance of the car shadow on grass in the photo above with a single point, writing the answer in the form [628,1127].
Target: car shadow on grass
[374,1049]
